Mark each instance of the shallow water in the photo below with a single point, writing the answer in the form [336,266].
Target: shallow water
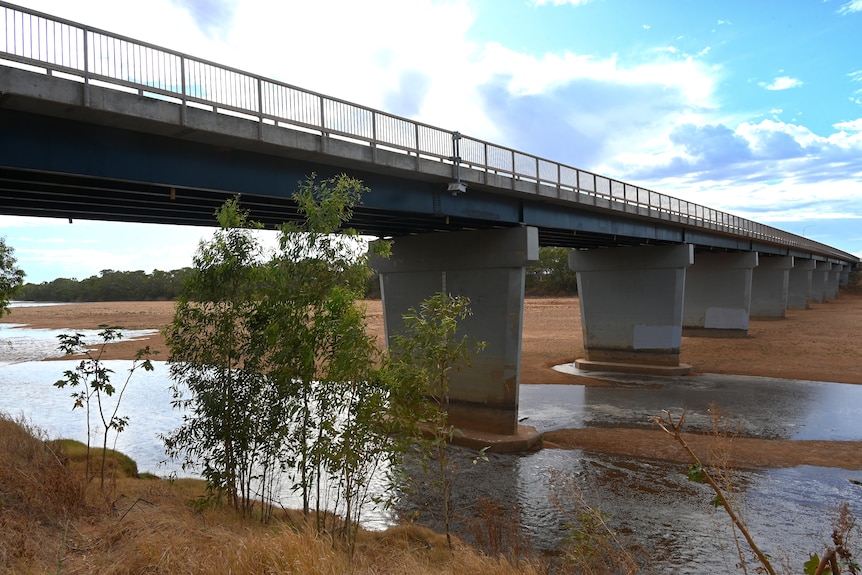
[19,343]
[650,503]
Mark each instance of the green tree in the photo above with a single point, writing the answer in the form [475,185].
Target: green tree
[110,285]
[321,357]
[273,362]
[11,277]
[425,356]
[92,380]
[214,366]
[551,275]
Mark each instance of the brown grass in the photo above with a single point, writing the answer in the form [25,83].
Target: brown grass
[53,521]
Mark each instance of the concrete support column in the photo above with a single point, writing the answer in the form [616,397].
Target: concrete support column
[488,267]
[799,293]
[819,277]
[718,294]
[833,279]
[845,276]
[631,306]
[770,283]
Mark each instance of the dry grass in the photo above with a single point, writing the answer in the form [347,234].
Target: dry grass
[53,521]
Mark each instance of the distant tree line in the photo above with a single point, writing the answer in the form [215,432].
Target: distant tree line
[550,276]
[110,285]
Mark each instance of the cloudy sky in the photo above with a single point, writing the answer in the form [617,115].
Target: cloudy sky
[751,107]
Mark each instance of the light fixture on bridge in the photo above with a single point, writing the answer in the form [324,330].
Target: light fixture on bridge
[456,187]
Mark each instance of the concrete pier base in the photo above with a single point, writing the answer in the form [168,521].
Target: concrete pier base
[644,368]
[487,266]
[770,283]
[718,294]
[631,305]
[526,437]
[799,286]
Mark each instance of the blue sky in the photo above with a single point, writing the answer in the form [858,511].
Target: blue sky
[750,106]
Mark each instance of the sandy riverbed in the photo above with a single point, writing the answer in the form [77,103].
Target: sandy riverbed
[820,344]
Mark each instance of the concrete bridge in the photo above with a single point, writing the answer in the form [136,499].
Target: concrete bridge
[99,126]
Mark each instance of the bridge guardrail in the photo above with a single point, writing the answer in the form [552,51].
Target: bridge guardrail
[97,57]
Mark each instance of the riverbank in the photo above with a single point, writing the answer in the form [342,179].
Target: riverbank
[820,344]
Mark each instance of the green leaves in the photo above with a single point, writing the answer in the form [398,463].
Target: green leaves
[11,277]
[696,473]
[811,565]
[93,380]
[270,354]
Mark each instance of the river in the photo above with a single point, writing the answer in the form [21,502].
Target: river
[648,502]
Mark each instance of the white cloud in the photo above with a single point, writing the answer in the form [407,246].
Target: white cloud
[852,125]
[532,75]
[782,83]
[850,7]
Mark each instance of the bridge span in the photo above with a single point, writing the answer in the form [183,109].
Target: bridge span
[100,126]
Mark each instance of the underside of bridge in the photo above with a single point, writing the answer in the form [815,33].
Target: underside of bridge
[60,165]
[25,192]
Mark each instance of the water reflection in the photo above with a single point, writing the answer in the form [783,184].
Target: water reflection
[758,406]
[650,504]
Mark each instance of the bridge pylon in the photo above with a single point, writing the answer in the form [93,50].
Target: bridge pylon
[631,302]
[487,266]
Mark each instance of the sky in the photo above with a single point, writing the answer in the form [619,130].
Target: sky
[753,107]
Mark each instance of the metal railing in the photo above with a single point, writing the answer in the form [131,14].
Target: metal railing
[97,57]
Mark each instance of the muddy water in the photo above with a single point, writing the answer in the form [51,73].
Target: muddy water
[650,504]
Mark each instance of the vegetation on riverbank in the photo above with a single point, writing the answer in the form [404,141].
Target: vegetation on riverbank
[110,285]
[53,520]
